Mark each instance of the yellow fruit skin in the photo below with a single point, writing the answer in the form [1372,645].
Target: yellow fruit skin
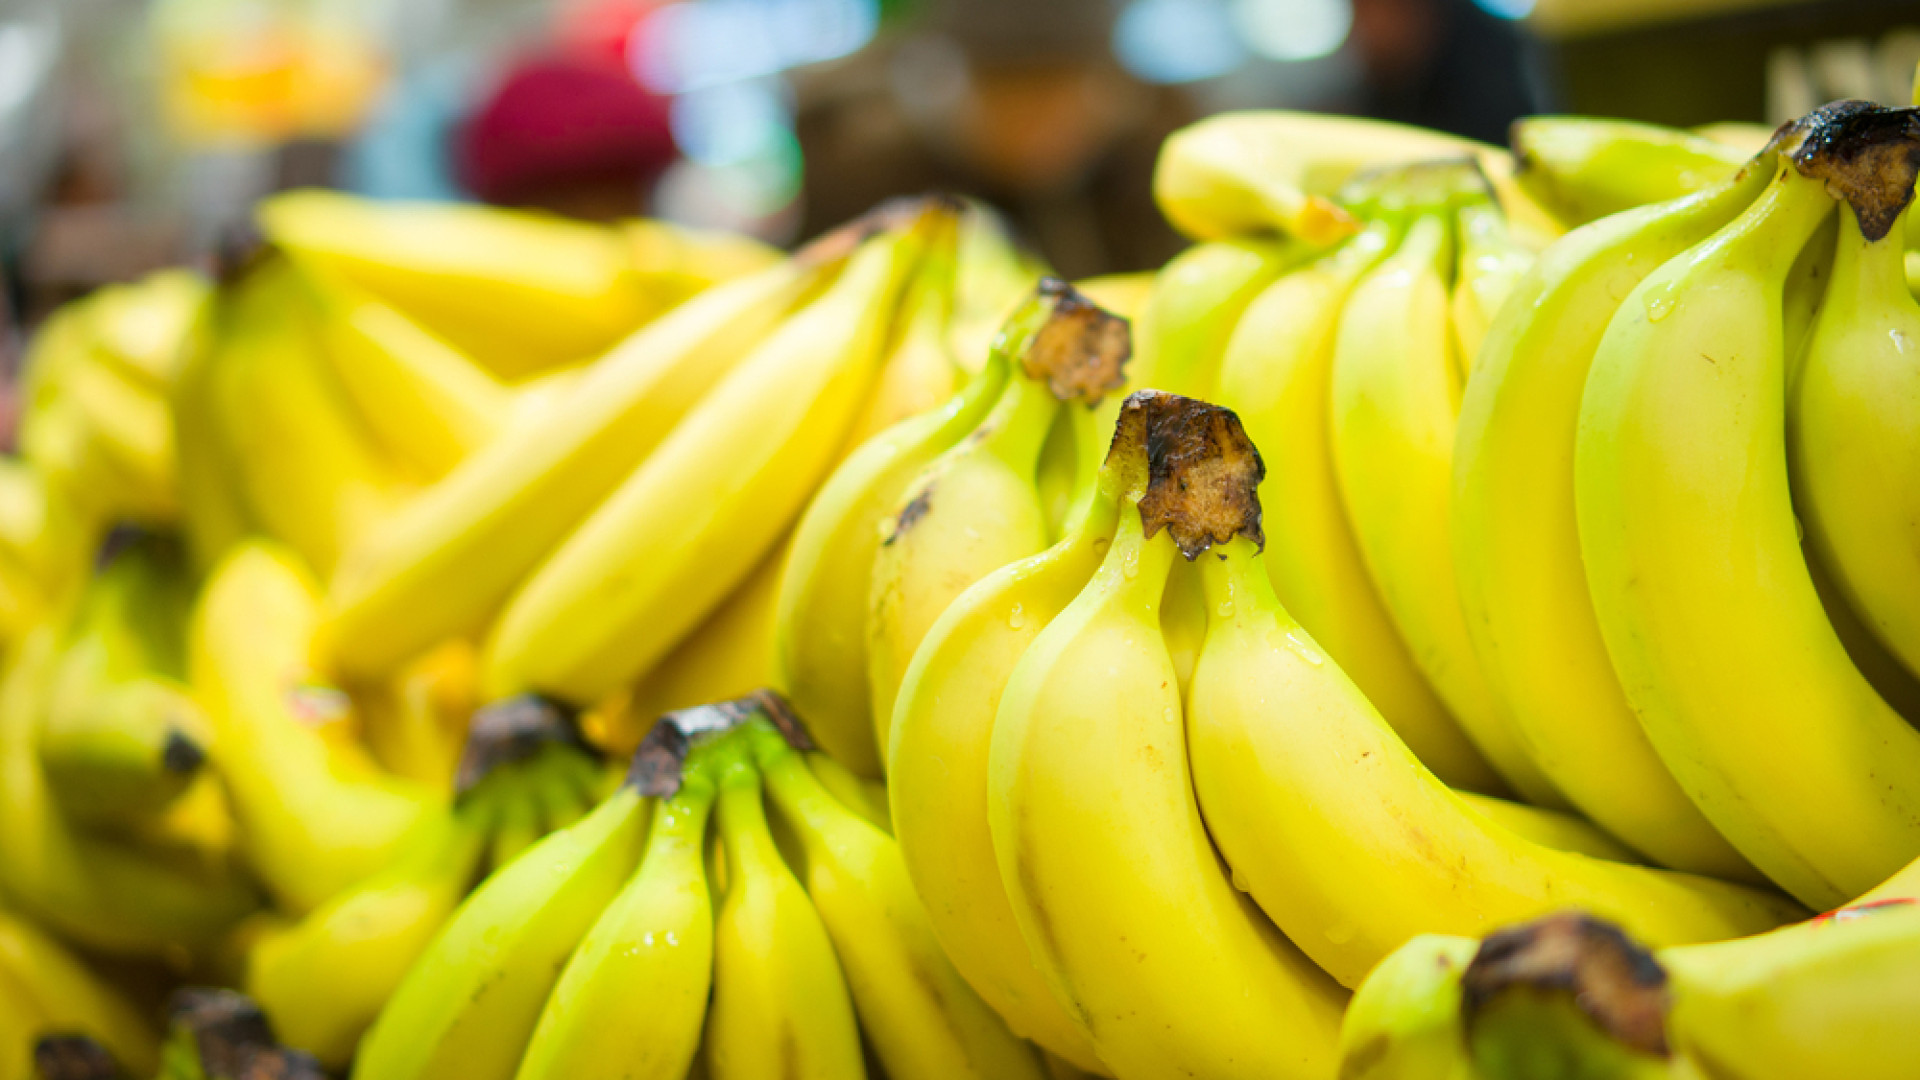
[66,997]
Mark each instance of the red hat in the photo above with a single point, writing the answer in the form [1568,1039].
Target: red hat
[557,119]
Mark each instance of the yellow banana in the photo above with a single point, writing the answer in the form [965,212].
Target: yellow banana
[1584,169]
[1276,375]
[520,292]
[1490,264]
[1115,886]
[621,591]
[443,567]
[1395,389]
[213,510]
[780,1005]
[1548,828]
[67,997]
[820,635]
[415,725]
[915,1010]
[975,507]
[942,731]
[1190,314]
[919,372]
[729,655]
[1125,295]
[466,1010]
[1854,439]
[1516,546]
[1404,1022]
[314,816]
[149,327]
[863,796]
[1693,554]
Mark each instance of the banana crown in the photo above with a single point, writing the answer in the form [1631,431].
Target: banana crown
[1866,154]
[516,730]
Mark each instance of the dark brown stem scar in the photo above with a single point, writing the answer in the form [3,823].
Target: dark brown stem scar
[514,729]
[1608,977]
[1202,473]
[1080,352]
[1868,156]
[662,755]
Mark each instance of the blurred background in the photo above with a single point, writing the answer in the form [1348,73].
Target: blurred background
[138,133]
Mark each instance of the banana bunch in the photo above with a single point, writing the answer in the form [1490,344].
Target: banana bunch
[46,990]
[624,946]
[545,546]
[1567,995]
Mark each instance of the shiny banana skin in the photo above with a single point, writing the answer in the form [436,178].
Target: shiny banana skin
[821,622]
[1191,311]
[1395,390]
[729,655]
[42,977]
[466,1010]
[1549,828]
[1583,169]
[867,798]
[780,1005]
[1276,375]
[314,815]
[1352,846]
[942,732]
[1122,901]
[734,475]
[104,895]
[1490,264]
[630,1002]
[1695,567]
[1855,440]
[1516,544]
[918,1014]
[919,373]
[442,567]
[323,980]
[1404,1022]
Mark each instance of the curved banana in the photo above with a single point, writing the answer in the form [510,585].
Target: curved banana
[976,507]
[314,816]
[1276,375]
[443,566]
[820,636]
[1326,818]
[1490,264]
[919,372]
[1548,828]
[213,510]
[1516,545]
[149,328]
[66,998]
[1583,169]
[919,1015]
[1854,438]
[1395,388]
[619,592]
[1114,884]
[780,1005]
[518,291]
[729,655]
[1404,1022]
[466,1009]
[865,797]
[942,732]
[1693,553]
[1191,311]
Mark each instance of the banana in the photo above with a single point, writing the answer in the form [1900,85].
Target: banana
[1516,545]
[780,1004]
[443,567]
[729,655]
[1583,169]
[427,403]
[306,466]
[942,731]
[1125,295]
[619,592]
[415,725]
[992,277]
[919,372]
[96,892]
[1276,374]
[1490,265]
[865,797]
[1196,300]
[147,329]
[1333,826]
[1548,828]
[1122,901]
[467,1008]
[975,507]
[315,816]
[917,1013]
[680,260]
[657,934]
[1852,437]
[66,997]
[217,1034]
[46,544]
[1394,392]
[1693,556]
[1404,1022]
[520,292]
[213,511]
[820,619]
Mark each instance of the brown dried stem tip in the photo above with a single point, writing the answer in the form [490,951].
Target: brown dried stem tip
[232,1038]
[658,762]
[1197,474]
[1867,154]
[73,1057]
[514,729]
[1612,980]
[1073,345]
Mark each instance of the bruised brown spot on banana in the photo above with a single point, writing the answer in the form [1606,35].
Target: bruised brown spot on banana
[1867,155]
[910,514]
[1587,961]
[1197,472]
[658,763]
